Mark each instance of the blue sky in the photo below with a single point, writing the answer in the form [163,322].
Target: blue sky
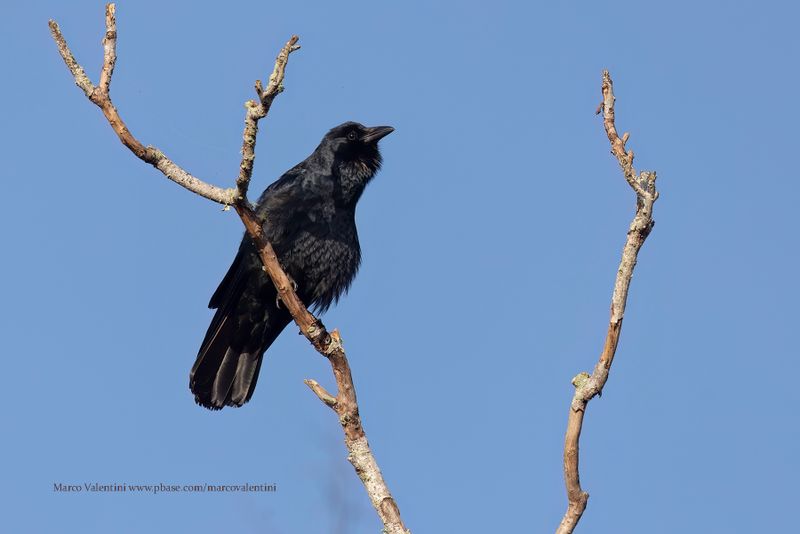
[490,241]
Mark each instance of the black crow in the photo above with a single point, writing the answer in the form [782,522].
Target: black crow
[308,215]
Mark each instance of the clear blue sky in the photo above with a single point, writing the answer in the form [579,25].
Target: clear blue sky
[490,238]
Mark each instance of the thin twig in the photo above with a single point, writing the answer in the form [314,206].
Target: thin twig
[587,386]
[329,345]
[257,111]
[109,49]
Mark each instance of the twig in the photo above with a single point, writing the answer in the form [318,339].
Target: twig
[257,111]
[587,386]
[329,345]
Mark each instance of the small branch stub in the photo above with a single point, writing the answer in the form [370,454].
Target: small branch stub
[321,392]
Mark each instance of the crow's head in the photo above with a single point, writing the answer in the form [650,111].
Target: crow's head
[355,154]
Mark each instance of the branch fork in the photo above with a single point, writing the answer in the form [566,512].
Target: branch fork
[329,345]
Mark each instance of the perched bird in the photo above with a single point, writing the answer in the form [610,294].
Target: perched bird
[309,217]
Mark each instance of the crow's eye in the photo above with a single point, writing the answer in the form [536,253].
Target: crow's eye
[352,136]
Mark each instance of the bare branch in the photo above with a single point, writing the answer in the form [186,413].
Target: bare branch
[81,79]
[100,96]
[625,157]
[587,386]
[258,110]
[345,403]
[329,345]
[109,49]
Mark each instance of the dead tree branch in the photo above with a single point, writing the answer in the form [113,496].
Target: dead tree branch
[329,345]
[257,111]
[100,96]
[586,385]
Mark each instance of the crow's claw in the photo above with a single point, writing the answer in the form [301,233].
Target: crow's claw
[278,296]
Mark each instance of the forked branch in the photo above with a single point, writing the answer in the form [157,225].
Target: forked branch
[586,385]
[329,345]
[100,96]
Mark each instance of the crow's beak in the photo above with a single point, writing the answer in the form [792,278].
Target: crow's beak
[376,133]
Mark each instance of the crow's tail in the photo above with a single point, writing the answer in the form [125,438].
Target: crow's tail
[227,365]
[246,323]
